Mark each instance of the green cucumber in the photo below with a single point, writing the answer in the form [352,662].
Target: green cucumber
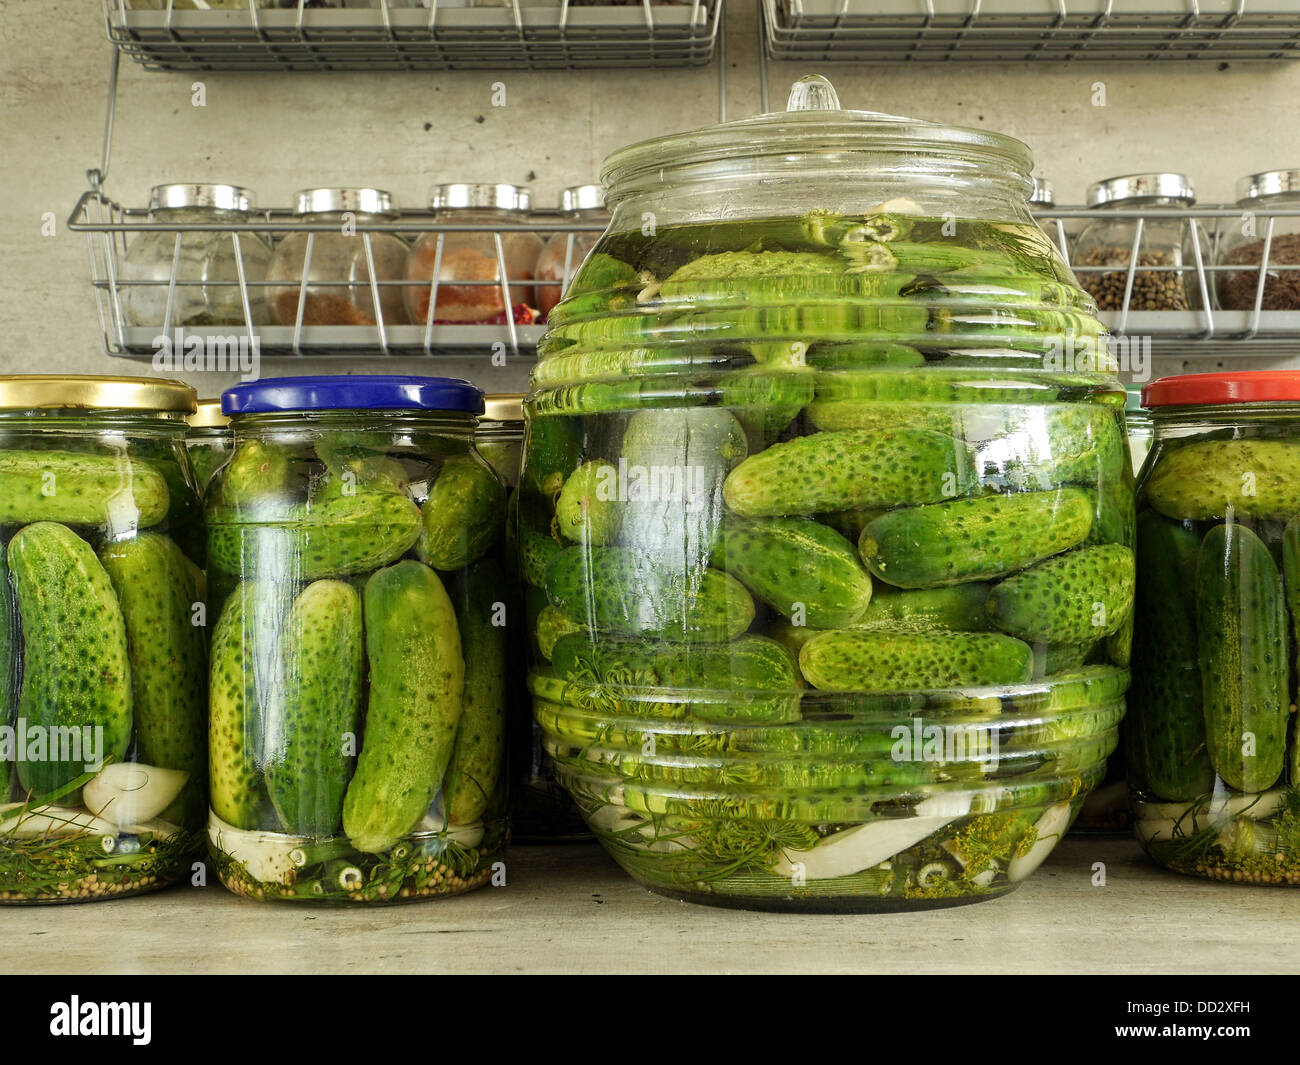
[550,626]
[538,546]
[1242,652]
[765,400]
[798,567]
[838,415]
[478,757]
[1166,726]
[158,588]
[956,608]
[1077,597]
[618,591]
[851,660]
[589,509]
[333,536]
[1291,583]
[853,468]
[552,451]
[464,516]
[862,355]
[76,664]
[243,646]
[81,489]
[973,539]
[9,640]
[674,463]
[314,722]
[257,473]
[1208,479]
[417,681]
[750,679]
[1053,658]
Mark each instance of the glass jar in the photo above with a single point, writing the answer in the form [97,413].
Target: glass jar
[1165,277]
[102,647]
[355,568]
[208,440]
[1137,422]
[469,287]
[1043,197]
[207,288]
[1214,763]
[564,252]
[1243,245]
[338,290]
[755,433]
[540,810]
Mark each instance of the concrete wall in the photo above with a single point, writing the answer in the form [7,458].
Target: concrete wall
[277,133]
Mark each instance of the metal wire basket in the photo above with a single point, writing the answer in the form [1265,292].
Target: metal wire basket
[290,35]
[1013,30]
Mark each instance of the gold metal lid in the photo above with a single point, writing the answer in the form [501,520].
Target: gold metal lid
[208,415]
[33,391]
[503,407]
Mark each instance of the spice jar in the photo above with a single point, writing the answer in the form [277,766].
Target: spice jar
[755,432]
[1165,275]
[207,290]
[208,440]
[338,289]
[1214,759]
[358,659]
[1044,196]
[565,252]
[1243,245]
[103,679]
[473,257]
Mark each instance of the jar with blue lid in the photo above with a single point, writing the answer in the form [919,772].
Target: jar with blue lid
[358,653]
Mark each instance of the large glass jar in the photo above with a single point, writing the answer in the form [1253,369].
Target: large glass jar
[208,440]
[1243,245]
[103,654]
[338,289]
[1214,763]
[825,483]
[1043,197]
[360,601]
[207,290]
[564,252]
[1165,277]
[468,264]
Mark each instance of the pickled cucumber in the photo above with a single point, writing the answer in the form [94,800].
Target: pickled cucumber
[257,473]
[76,676]
[849,660]
[464,516]
[550,626]
[974,539]
[1079,596]
[956,607]
[1207,480]
[417,681]
[588,510]
[9,639]
[81,489]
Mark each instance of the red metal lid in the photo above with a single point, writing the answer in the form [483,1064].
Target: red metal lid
[1214,389]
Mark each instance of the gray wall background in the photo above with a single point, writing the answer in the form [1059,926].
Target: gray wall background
[278,133]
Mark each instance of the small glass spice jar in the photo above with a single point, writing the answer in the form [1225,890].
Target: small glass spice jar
[206,263]
[338,289]
[565,252]
[469,288]
[1164,278]
[1243,245]
[1044,196]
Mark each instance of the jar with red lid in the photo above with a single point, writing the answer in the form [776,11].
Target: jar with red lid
[565,251]
[1213,755]
[470,288]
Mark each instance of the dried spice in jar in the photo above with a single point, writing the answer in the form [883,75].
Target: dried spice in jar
[1164,277]
[565,251]
[1244,246]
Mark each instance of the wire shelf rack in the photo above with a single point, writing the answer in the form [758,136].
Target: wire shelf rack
[371,35]
[882,31]
[1206,330]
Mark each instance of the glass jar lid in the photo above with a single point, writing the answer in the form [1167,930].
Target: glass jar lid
[503,407]
[332,201]
[582,198]
[208,415]
[461,195]
[815,136]
[1136,187]
[1268,183]
[221,197]
[1222,389]
[273,395]
[1043,195]
[90,392]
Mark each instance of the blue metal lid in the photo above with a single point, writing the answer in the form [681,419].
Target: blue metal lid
[272,395]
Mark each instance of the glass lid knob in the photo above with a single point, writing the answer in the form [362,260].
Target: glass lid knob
[813,92]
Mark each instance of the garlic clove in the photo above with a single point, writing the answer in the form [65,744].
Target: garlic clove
[127,793]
